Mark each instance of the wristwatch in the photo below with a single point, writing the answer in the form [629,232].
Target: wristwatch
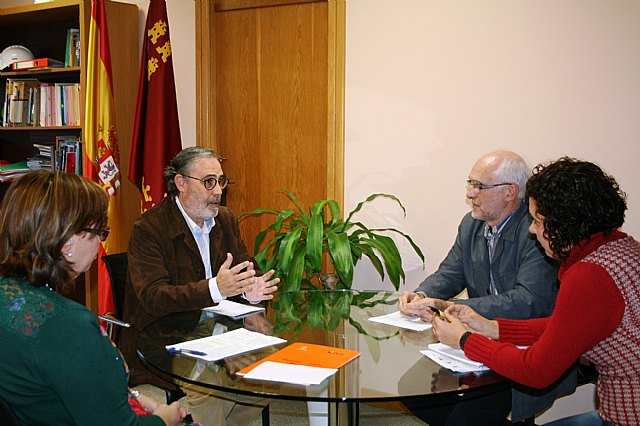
[463,339]
[135,394]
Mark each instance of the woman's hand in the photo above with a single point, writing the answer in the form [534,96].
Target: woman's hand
[172,414]
[448,330]
[473,321]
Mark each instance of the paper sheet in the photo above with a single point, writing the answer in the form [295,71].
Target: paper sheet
[290,373]
[227,344]
[233,309]
[404,321]
[453,359]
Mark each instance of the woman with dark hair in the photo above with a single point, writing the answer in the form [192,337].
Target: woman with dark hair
[58,367]
[577,209]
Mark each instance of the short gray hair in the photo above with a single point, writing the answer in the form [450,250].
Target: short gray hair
[182,162]
[514,169]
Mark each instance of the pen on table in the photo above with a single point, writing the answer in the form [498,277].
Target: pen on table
[186,351]
[437,311]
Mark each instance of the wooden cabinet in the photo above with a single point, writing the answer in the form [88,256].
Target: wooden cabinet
[42,28]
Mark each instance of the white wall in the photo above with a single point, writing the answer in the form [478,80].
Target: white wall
[431,86]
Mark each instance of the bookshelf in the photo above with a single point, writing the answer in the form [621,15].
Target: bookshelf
[42,28]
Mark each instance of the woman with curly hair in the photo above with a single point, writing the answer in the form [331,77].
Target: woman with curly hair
[577,210]
[58,368]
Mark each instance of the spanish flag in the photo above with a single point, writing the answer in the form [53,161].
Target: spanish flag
[156,129]
[102,159]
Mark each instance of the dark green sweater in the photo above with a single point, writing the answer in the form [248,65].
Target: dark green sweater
[57,366]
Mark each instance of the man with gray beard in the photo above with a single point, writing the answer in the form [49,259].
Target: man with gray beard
[505,274]
[185,254]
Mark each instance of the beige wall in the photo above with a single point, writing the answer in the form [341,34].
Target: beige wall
[433,85]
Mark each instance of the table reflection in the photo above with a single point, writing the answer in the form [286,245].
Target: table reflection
[390,366]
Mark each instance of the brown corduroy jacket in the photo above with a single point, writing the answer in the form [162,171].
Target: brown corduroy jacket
[166,273]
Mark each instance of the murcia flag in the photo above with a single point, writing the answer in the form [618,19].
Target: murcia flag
[156,130]
[102,159]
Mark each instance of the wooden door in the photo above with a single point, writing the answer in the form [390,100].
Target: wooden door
[270,99]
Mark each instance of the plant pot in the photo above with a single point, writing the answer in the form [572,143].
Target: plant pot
[329,281]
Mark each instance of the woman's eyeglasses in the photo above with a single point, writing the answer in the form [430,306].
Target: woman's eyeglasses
[102,233]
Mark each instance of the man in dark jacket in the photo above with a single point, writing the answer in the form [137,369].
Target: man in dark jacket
[504,272]
[185,254]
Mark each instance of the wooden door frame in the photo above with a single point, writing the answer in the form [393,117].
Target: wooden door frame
[205,33]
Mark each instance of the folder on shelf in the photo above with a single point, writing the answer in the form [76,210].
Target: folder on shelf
[38,63]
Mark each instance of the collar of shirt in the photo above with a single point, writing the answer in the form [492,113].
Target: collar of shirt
[195,229]
[494,231]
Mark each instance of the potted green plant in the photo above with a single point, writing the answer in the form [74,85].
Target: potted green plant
[299,238]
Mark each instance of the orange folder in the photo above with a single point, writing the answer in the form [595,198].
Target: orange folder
[308,354]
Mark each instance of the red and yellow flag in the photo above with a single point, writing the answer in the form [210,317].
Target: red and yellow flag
[156,129]
[102,160]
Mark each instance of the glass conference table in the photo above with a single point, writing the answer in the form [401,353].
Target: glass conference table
[389,368]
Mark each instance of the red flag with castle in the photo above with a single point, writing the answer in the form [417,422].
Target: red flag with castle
[156,130]
[102,159]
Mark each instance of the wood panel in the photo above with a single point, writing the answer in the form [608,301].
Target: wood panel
[272,105]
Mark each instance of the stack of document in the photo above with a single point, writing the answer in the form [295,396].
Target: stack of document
[233,310]
[220,346]
[403,321]
[452,359]
[300,364]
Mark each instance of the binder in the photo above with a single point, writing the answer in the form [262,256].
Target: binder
[36,63]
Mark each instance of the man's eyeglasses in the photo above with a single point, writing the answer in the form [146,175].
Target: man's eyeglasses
[210,183]
[475,184]
[102,233]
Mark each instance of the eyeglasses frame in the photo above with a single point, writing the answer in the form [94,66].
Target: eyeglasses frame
[102,233]
[216,180]
[481,186]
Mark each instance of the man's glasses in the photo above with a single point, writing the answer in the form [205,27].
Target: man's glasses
[210,183]
[475,184]
[102,233]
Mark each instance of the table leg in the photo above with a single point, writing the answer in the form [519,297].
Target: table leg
[344,413]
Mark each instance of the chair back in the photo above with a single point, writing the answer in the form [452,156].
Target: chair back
[117,265]
[7,415]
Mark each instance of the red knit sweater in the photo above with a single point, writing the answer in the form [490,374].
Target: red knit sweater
[589,308]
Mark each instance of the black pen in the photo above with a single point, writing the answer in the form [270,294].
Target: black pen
[186,351]
[437,311]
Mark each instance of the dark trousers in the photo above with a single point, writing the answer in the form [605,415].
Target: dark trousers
[476,408]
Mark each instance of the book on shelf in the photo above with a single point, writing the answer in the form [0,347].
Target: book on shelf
[72,52]
[35,64]
[14,170]
[29,102]
[308,354]
[68,154]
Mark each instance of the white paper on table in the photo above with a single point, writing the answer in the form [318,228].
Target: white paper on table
[290,373]
[453,359]
[399,319]
[227,344]
[233,309]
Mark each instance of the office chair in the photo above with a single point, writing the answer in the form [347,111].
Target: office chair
[7,415]
[117,265]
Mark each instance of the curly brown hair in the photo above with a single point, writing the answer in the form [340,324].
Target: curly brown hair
[40,212]
[577,200]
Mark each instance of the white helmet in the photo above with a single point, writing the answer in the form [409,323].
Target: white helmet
[13,54]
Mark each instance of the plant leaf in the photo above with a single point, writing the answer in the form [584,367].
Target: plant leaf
[390,256]
[371,198]
[294,277]
[314,240]
[287,248]
[340,251]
